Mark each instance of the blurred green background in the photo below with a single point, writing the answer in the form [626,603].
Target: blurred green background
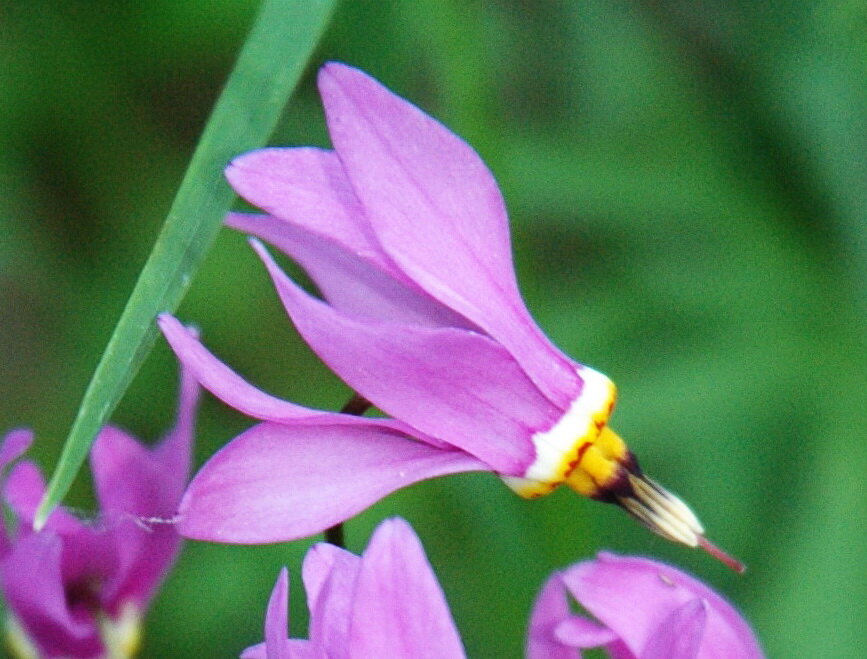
[687,183]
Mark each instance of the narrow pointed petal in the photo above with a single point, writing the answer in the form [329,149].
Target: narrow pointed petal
[608,586]
[330,576]
[15,444]
[400,609]
[277,619]
[222,381]
[23,491]
[236,392]
[320,561]
[280,482]
[174,452]
[679,636]
[437,212]
[349,282]
[452,384]
[551,607]
[138,496]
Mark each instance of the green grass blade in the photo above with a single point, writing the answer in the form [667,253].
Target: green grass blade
[267,70]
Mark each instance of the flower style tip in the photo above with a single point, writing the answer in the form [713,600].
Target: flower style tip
[665,514]
[611,473]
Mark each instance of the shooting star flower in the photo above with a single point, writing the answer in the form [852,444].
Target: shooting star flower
[404,231]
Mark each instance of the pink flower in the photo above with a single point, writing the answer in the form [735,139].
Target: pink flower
[404,231]
[642,608]
[385,603]
[80,589]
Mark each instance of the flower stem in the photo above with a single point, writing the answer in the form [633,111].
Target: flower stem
[356,405]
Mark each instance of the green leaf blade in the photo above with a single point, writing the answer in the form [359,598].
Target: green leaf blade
[265,74]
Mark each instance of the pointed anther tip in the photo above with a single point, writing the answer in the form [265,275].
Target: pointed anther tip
[726,559]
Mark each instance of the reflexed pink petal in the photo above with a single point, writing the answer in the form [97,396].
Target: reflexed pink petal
[330,577]
[551,607]
[232,389]
[33,588]
[280,482]
[610,587]
[15,444]
[134,486]
[128,479]
[277,619]
[350,283]
[399,608]
[174,451]
[308,188]
[455,385]
[23,492]
[320,561]
[222,381]
[438,214]
[679,636]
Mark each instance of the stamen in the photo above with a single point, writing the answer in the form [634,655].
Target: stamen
[665,514]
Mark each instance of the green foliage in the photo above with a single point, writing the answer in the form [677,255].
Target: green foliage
[686,186]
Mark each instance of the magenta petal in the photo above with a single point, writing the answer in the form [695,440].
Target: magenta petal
[400,609]
[307,188]
[579,632]
[133,487]
[280,482]
[452,384]
[14,445]
[633,596]
[229,387]
[679,636]
[232,389]
[23,492]
[550,608]
[330,575]
[33,582]
[320,561]
[222,381]
[350,283]
[277,619]
[438,214]
[174,451]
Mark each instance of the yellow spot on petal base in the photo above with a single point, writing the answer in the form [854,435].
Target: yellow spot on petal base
[561,447]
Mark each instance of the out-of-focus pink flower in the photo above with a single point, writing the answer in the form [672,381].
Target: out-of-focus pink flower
[80,589]
[384,603]
[641,609]
[405,233]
